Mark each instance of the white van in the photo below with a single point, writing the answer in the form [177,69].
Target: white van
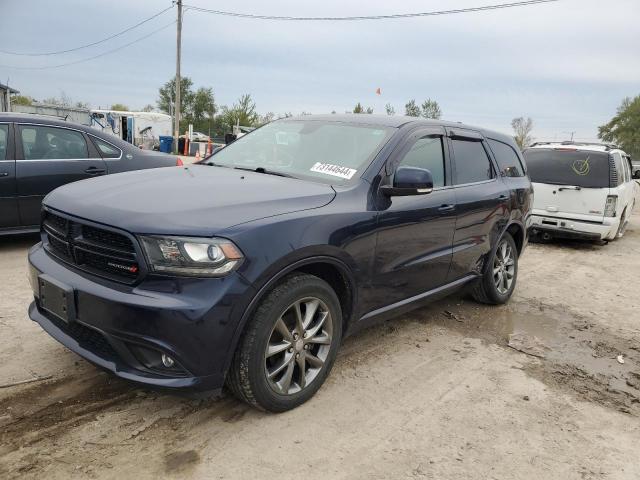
[581,190]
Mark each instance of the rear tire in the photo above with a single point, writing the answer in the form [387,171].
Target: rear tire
[289,346]
[496,285]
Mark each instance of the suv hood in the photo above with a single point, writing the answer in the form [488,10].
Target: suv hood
[194,200]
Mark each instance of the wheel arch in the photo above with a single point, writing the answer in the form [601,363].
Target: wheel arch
[332,270]
[517,231]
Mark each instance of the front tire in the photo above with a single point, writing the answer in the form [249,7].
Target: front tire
[289,346]
[496,285]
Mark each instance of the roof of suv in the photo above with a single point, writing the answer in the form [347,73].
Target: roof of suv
[397,121]
[593,147]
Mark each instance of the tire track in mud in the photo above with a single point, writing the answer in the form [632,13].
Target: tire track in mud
[580,356]
[45,411]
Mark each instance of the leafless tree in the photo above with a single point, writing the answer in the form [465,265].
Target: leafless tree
[522,128]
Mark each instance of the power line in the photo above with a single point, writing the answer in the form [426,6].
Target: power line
[8,52]
[95,56]
[371,17]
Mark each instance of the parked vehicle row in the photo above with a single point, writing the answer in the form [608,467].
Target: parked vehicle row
[581,190]
[39,154]
[250,269]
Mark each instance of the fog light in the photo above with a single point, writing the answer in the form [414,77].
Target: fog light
[167,361]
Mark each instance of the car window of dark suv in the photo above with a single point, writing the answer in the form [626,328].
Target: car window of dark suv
[507,159]
[472,162]
[4,144]
[48,143]
[427,153]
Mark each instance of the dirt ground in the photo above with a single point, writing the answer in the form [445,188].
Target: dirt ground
[434,394]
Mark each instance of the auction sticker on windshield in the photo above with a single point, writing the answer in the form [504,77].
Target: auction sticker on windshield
[335,170]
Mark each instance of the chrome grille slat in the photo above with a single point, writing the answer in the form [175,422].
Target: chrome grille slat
[98,251]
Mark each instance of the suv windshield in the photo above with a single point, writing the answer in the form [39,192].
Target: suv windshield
[568,167]
[329,152]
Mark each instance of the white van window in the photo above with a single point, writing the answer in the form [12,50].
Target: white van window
[568,167]
[620,171]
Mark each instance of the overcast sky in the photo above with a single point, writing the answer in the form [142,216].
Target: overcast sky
[566,64]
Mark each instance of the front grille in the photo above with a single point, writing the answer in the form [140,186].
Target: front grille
[86,337]
[96,250]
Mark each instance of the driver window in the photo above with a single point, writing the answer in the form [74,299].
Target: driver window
[46,143]
[427,153]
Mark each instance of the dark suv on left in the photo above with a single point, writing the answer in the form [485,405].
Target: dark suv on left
[249,269]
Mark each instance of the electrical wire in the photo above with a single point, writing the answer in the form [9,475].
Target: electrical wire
[42,54]
[95,56]
[371,17]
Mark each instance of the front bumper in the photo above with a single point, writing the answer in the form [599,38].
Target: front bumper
[192,320]
[574,229]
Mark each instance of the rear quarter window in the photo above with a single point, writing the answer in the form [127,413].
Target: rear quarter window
[568,167]
[507,158]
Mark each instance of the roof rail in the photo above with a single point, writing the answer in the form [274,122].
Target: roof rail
[608,146]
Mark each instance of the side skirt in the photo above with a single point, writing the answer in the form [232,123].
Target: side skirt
[415,301]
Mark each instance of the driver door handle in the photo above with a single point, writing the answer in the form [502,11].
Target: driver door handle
[446,207]
[95,171]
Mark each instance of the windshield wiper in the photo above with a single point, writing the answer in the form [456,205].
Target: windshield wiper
[265,171]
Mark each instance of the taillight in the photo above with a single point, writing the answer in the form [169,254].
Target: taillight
[610,206]
[179,162]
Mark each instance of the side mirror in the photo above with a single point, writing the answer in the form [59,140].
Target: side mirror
[409,181]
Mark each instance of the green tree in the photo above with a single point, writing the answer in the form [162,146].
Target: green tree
[360,109]
[389,109]
[241,113]
[203,107]
[21,100]
[624,128]
[167,94]
[522,128]
[120,107]
[411,109]
[148,108]
[431,109]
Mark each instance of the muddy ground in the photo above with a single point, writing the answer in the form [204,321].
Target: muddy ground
[438,393]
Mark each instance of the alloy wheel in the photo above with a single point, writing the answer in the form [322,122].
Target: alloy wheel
[298,346]
[504,267]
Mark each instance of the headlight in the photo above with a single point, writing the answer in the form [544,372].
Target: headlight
[198,257]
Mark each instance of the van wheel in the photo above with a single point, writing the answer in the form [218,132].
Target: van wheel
[289,346]
[499,279]
[622,228]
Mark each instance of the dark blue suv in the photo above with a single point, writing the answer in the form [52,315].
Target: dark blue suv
[250,268]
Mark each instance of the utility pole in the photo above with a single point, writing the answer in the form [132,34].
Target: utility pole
[177,108]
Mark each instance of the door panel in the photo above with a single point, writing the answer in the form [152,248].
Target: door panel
[482,212]
[49,157]
[8,202]
[413,250]
[482,202]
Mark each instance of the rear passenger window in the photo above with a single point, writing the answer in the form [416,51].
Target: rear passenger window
[472,162]
[427,153]
[50,143]
[106,149]
[4,142]
[507,159]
